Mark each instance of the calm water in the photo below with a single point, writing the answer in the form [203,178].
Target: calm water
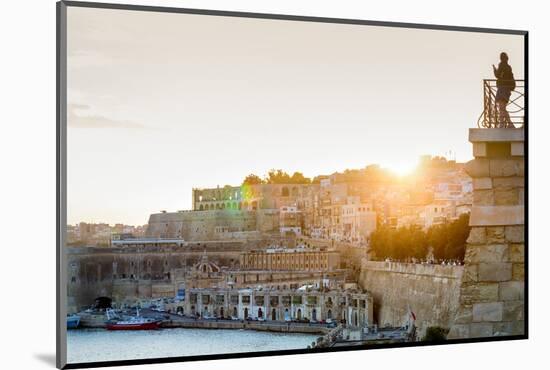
[87,345]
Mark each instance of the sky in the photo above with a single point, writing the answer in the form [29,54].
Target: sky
[160,103]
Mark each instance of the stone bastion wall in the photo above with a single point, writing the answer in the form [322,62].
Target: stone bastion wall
[431,291]
[492,294]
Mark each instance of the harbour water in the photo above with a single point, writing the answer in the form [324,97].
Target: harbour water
[89,345]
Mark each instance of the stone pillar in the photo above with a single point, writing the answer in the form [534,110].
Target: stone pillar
[492,290]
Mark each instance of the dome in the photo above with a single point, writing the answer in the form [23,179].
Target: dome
[205,266]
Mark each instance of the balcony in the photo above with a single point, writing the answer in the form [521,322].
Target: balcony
[515,107]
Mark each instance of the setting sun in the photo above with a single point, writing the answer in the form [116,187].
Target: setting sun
[403,167]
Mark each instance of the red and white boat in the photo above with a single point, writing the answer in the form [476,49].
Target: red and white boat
[134,323]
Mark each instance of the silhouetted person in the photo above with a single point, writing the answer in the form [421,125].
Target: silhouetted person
[505,85]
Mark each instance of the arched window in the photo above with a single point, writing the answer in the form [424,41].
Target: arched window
[201,208]
[284,192]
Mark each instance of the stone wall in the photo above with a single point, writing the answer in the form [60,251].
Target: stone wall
[199,225]
[132,272]
[208,225]
[431,292]
[492,289]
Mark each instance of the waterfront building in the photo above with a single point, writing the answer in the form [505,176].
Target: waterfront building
[353,307]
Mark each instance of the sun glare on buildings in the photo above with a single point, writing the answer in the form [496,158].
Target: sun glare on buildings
[403,167]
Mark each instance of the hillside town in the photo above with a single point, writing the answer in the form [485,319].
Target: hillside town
[282,249]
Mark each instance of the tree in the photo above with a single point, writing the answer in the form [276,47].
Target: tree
[299,178]
[277,177]
[252,179]
[435,334]
[448,241]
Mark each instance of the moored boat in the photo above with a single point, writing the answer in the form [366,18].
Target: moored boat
[133,323]
[73,321]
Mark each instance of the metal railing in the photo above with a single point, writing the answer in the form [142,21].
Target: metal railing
[514,116]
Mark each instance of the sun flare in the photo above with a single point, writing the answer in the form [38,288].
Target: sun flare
[402,167]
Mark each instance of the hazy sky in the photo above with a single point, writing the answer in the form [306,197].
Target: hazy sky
[160,103]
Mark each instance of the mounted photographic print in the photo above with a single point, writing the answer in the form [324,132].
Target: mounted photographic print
[238,184]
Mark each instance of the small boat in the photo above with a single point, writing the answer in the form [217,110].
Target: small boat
[73,321]
[134,323]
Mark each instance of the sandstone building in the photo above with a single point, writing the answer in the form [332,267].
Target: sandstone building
[281,305]
[296,259]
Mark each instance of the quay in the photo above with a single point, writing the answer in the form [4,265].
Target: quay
[170,320]
[271,326]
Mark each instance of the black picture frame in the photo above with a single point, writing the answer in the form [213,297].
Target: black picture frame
[61,170]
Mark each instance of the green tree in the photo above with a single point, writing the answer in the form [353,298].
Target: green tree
[435,334]
[448,240]
[299,178]
[252,179]
[277,177]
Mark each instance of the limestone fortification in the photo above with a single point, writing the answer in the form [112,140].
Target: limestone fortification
[493,284]
[430,291]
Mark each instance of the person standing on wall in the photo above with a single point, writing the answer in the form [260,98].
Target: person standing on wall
[505,85]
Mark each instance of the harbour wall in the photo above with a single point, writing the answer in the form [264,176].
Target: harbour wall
[248,325]
[431,291]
